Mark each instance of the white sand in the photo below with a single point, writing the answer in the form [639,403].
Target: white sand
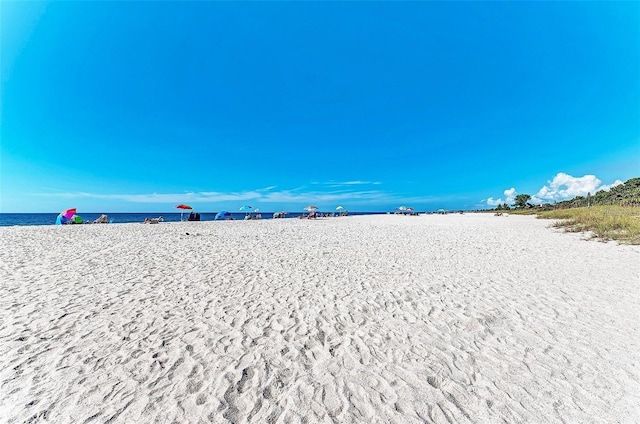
[377,319]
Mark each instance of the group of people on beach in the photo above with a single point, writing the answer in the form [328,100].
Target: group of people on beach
[196,216]
[314,214]
[153,220]
[193,216]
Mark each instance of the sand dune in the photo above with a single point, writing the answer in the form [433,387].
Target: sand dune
[368,319]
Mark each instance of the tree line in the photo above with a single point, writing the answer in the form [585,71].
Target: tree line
[627,194]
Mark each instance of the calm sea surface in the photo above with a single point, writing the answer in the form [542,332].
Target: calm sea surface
[7,219]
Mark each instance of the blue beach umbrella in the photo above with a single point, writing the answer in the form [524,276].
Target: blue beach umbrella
[222,216]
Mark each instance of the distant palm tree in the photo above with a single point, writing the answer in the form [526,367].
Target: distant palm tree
[522,201]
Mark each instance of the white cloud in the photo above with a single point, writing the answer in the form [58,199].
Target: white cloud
[356,182]
[562,187]
[610,186]
[264,195]
[346,183]
[324,197]
[509,195]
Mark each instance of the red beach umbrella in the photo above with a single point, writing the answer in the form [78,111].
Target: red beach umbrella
[182,207]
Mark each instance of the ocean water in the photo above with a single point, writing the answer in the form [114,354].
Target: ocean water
[8,219]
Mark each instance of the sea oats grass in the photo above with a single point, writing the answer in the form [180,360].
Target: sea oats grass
[618,223]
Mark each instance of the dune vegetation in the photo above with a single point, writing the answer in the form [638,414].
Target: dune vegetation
[617,223]
[609,215]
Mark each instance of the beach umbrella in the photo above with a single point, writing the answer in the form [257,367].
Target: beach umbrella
[182,208]
[245,208]
[65,216]
[310,208]
[339,208]
[222,215]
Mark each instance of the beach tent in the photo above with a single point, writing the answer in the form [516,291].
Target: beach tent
[222,216]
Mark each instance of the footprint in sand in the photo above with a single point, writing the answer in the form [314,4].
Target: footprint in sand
[245,381]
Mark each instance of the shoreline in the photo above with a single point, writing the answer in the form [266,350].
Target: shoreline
[46,219]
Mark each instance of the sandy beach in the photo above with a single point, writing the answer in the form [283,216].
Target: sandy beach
[368,319]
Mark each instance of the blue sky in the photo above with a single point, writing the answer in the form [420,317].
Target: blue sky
[136,107]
